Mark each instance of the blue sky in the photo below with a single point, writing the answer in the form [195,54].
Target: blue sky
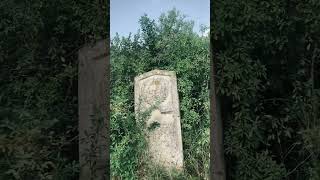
[125,14]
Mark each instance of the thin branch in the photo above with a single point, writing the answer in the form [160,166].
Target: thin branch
[291,148]
[301,163]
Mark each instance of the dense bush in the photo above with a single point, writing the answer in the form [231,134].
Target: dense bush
[169,44]
[267,55]
[38,88]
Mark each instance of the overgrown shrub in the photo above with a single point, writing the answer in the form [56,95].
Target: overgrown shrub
[39,41]
[267,55]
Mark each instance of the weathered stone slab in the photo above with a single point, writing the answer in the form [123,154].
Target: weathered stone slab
[165,141]
[93,117]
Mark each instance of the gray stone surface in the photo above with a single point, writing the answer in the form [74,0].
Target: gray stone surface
[165,141]
[92,94]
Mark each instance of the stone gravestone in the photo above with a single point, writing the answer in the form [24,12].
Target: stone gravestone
[93,111]
[165,140]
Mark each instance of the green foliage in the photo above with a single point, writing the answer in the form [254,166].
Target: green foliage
[39,41]
[153,126]
[169,44]
[267,55]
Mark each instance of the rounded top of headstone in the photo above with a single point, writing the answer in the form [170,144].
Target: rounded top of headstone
[155,72]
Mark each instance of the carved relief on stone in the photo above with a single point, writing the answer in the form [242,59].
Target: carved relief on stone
[165,142]
[155,89]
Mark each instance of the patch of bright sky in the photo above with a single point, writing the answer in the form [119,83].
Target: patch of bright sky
[125,14]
